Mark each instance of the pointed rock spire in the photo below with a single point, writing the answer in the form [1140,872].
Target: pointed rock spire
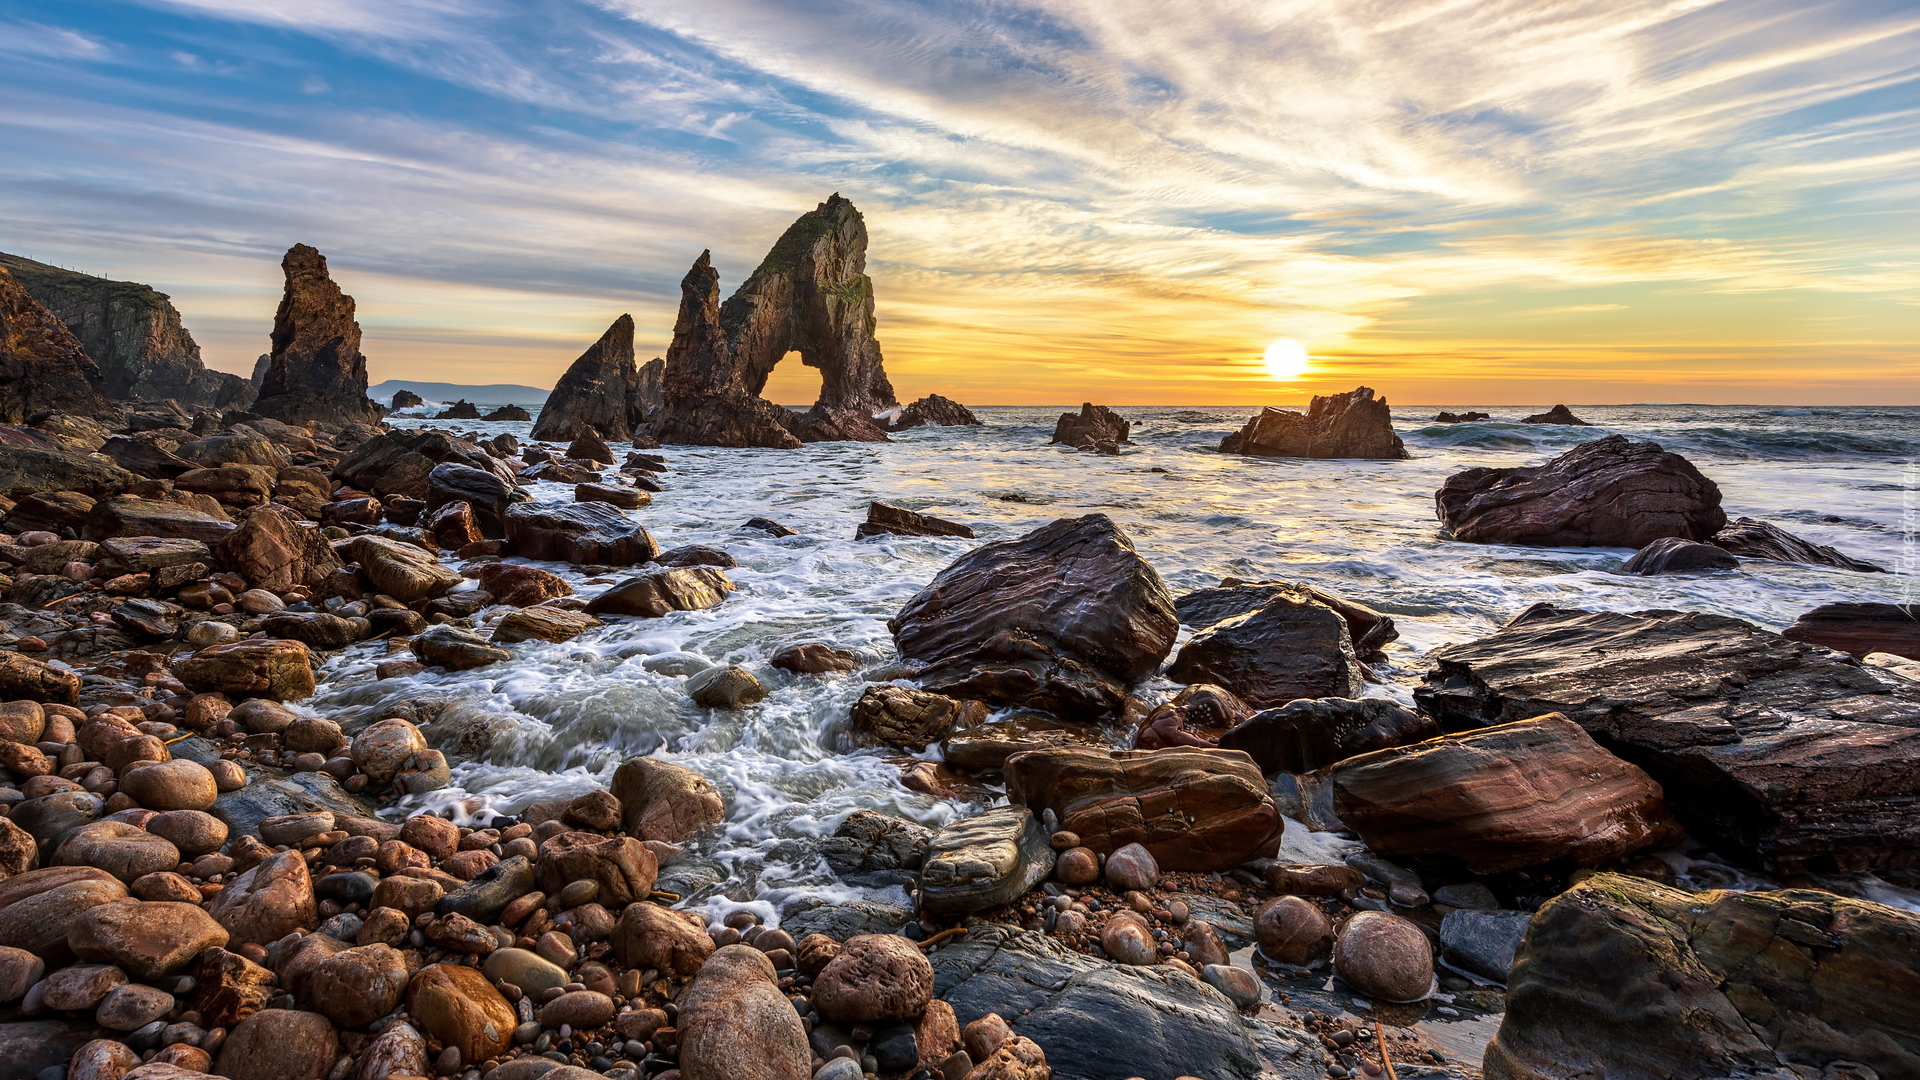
[316,370]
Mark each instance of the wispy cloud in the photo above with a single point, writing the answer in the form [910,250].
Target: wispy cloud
[1141,192]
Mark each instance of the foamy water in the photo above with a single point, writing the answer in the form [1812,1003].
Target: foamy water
[1365,529]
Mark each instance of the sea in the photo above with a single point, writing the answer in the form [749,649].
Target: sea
[1848,477]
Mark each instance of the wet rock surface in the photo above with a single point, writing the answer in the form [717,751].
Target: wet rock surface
[1355,424]
[1606,493]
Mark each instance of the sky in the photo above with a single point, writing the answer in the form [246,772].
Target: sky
[1125,201]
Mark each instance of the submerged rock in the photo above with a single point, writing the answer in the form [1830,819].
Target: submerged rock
[1063,619]
[1192,809]
[1503,798]
[1784,751]
[1094,427]
[1355,424]
[936,411]
[316,371]
[1606,493]
[1461,418]
[1622,977]
[883,519]
[1674,555]
[1860,629]
[1752,539]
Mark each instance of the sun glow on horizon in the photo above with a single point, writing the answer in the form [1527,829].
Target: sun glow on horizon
[1286,360]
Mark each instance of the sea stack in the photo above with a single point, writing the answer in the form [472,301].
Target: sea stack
[602,391]
[1355,424]
[810,295]
[316,370]
[43,368]
[134,335]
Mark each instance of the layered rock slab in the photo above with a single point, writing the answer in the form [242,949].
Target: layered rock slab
[43,367]
[1062,619]
[1781,751]
[1624,978]
[1606,493]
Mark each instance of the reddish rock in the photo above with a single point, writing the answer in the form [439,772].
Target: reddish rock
[1193,809]
[43,367]
[622,866]
[735,1024]
[1860,628]
[1606,493]
[655,594]
[666,802]
[1355,424]
[357,986]
[813,658]
[907,719]
[522,586]
[123,850]
[146,939]
[1293,931]
[315,371]
[1384,957]
[268,902]
[279,1044]
[257,667]
[650,936]
[35,680]
[1306,735]
[1503,798]
[874,977]
[229,986]
[1063,619]
[459,1007]
[453,525]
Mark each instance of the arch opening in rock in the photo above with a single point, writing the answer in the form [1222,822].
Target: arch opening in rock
[793,383]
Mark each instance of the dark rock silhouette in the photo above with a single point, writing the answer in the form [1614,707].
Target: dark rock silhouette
[810,295]
[1559,414]
[316,371]
[1094,427]
[935,410]
[460,410]
[1673,555]
[1461,418]
[1860,628]
[1751,539]
[43,367]
[509,412]
[133,334]
[406,399]
[1606,493]
[602,391]
[1351,425]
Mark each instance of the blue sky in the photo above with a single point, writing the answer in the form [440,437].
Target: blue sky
[1453,201]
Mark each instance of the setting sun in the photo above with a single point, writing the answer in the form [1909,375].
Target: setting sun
[1286,359]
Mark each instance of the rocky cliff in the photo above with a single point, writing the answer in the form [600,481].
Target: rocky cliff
[43,368]
[602,391]
[810,295]
[316,371]
[133,334]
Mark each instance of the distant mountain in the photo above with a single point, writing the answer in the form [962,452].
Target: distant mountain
[493,394]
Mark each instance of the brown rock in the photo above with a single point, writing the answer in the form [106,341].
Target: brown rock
[542,623]
[623,867]
[1292,647]
[436,836]
[1094,427]
[19,970]
[19,852]
[653,595]
[25,677]
[123,850]
[1312,879]
[171,785]
[413,896]
[663,801]
[103,1059]
[229,986]
[459,1007]
[46,368]
[1018,1058]
[37,907]
[268,902]
[1193,809]
[1355,424]
[1503,798]
[357,986]
[1293,931]
[316,371]
[454,526]
[897,716]
[581,1009]
[257,667]
[279,1044]
[1306,735]
[578,533]
[1859,629]
[1062,619]
[735,1024]
[275,553]
[887,520]
[1751,539]
[81,987]
[407,573]
[146,939]
[133,1006]
[381,749]
[522,586]
[601,391]
[874,977]
[165,886]
[399,1049]
[1606,493]
[22,721]
[813,658]
[194,832]
[1384,957]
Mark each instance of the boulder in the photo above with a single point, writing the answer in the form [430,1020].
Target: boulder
[810,294]
[542,623]
[1292,647]
[40,906]
[813,658]
[274,553]
[874,978]
[624,867]
[355,987]
[272,668]
[1094,427]
[403,571]
[736,1024]
[315,371]
[279,1044]
[455,649]
[1384,957]
[696,555]
[397,464]
[578,533]
[459,1007]
[1503,798]
[868,844]
[672,942]
[1192,809]
[1786,752]
[1622,977]
[600,392]
[1306,735]
[986,747]
[884,519]
[1674,555]
[725,686]
[147,940]
[1355,424]
[170,785]
[1860,629]
[666,802]
[1062,619]
[906,719]
[24,678]
[1371,631]
[1559,414]
[43,367]
[1752,539]
[486,493]
[984,861]
[1293,931]
[127,515]
[268,902]
[935,410]
[509,413]
[1606,493]
[653,595]
[123,850]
